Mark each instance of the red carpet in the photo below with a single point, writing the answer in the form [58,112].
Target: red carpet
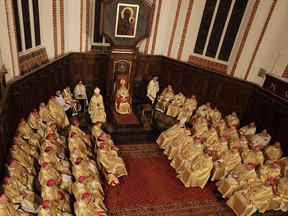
[125,119]
[151,188]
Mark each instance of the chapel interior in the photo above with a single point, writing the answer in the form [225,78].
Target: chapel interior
[230,53]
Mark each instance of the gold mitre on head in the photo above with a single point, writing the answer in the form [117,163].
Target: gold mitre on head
[96,90]
[122,81]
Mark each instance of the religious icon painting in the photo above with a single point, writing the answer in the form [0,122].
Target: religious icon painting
[126,20]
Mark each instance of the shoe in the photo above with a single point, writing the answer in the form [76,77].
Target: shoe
[74,114]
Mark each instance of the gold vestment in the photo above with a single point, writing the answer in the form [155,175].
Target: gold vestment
[218,148]
[80,92]
[167,136]
[96,109]
[187,110]
[242,145]
[280,198]
[123,101]
[225,164]
[84,209]
[82,135]
[24,159]
[46,115]
[272,154]
[164,100]
[177,145]
[200,129]
[198,173]
[266,172]
[257,198]
[28,134]
[58,113]
[208,138]
[35,121]
[189,154]
[174,108]
[74,104]
[232,120]
[239,178]
[251,155]
[57,196]
[112,163]
[214,116]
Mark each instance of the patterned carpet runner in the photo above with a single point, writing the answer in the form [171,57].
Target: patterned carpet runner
[151,188]
[125,119]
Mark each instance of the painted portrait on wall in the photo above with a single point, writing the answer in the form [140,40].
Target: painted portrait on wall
[126,20]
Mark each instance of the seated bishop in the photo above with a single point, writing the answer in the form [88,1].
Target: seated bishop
[96,107]
[123,101]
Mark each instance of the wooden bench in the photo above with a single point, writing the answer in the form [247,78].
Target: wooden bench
[147,108]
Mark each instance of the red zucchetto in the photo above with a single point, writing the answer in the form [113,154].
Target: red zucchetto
[46,203]
[50,182]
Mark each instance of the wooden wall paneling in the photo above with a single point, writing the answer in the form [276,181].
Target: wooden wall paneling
[43,87]
[262,111]
[27,95]
[66,73]
[269,112]
[175,77]
[2,154]
[140,81]
[241,99]
[145,68]
[10,114]
[7,125]
[91,68]
[59,76]
[209,90]
[7,131]
[153,68]
[76,69]
[185,80]
[51,81]
[133,76]
[142,69]
[196,85]
[17,104]
[166,75]
[103,63]
[37,89]
[91,73]
[3,147]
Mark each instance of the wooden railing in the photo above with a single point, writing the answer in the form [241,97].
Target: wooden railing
[252,102]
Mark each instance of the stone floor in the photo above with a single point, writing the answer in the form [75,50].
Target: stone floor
[146,131]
